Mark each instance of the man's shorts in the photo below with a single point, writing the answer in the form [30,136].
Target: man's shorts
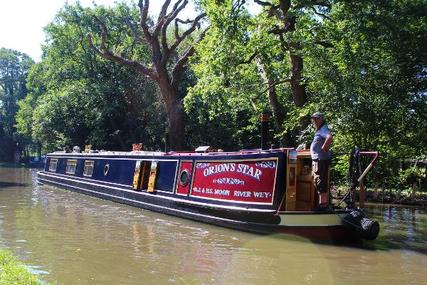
[320,175]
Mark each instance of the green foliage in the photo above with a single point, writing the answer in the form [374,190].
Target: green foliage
[413,175]
[14,67]
[76,98]
[14,273]
[229,62]
[372,83]
[364,66]
[228,96]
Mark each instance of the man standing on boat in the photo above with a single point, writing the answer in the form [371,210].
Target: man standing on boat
[321,156]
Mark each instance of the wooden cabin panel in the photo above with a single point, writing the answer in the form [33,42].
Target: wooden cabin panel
[305,196]
[291,199]
[305,191]
[291,182]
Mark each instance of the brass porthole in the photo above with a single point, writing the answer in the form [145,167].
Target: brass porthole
[184,178]
[106,169]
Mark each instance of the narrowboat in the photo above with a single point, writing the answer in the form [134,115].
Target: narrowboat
[258,190]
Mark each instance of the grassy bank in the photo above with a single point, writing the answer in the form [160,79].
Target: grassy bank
[12,272]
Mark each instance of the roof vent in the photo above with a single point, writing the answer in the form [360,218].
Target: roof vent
[204,148]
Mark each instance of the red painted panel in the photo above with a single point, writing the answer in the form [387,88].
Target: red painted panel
[182,189]
[247,181]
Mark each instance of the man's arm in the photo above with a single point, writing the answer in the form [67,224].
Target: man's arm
[327,143]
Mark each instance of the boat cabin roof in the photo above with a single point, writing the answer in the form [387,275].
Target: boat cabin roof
[170,153]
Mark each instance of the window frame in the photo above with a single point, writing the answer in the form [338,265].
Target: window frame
[70,163]
[88,164]
[53,162]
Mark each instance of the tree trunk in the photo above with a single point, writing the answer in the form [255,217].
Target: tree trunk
[163,68]
[276,108]
[175,114]
[176,125]
[298,89]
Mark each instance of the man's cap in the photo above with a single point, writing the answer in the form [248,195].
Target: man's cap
[317,115]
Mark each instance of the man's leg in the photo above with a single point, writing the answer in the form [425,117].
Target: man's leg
[322,182]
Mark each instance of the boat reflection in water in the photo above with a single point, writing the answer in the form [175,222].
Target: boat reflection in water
[258,190]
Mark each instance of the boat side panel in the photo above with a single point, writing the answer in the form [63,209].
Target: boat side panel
[166,175]
[245,181]
[121,172]
[116,171]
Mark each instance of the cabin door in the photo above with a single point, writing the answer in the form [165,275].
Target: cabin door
[184,178]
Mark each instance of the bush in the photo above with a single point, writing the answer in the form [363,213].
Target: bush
[409,176]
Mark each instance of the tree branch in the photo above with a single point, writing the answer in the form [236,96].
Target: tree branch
[285,5]
[249,60]
[177,69]
[321,14]
[143,11]
[134,30]
[179,5]
[179,39]
[163,11]
[273,84]
[161,19]
[266,4]
[306,4]
[104,52]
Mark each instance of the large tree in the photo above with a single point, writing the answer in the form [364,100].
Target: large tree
[260,57]
[14,67]
[364,67]
[78,98]
[168,58]
[373,82]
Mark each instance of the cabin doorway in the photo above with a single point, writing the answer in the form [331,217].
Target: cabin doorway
[141,175]
[300,193]
[305,194]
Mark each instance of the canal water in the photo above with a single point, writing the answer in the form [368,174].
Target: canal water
[70,238]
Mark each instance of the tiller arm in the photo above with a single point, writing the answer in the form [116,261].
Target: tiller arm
[357,179]
[362,194]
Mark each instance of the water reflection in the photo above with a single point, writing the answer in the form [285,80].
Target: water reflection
[76,239]
[403,227]
[4,185]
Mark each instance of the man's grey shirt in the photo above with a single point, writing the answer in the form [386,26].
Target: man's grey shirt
[318,141]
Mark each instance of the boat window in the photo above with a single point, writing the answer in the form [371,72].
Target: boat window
[71,166]
[88,169]
[106,169]
[184,178]
[53,163]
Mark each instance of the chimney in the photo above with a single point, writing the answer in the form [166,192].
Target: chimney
[265,118]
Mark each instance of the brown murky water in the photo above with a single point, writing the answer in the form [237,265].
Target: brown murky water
[69,238]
